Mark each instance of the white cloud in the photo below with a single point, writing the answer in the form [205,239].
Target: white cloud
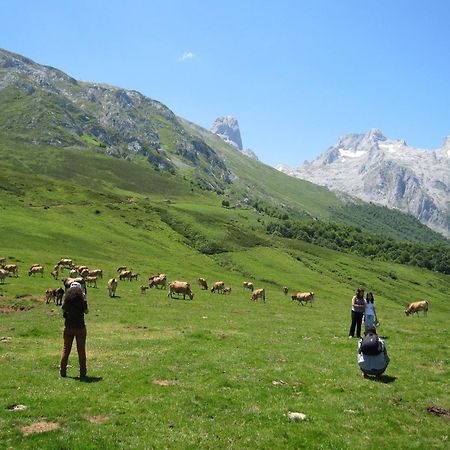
[186,55]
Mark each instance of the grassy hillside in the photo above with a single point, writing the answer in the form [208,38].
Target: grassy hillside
[216,372]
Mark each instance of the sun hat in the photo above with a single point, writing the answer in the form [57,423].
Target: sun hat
[75,284]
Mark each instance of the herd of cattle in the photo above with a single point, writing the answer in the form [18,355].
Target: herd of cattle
[88,278]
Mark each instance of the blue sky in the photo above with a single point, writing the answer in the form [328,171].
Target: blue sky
[296,74]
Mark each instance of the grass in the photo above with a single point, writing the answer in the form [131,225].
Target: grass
[168,373]
[199,374]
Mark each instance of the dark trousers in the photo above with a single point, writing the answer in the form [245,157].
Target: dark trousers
[357,318]
[80,336]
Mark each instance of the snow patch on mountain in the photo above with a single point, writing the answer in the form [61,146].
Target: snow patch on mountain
[387,172]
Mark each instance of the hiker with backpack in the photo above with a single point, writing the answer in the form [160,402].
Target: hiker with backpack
[372,354]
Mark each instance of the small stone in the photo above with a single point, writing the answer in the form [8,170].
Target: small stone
[296,416]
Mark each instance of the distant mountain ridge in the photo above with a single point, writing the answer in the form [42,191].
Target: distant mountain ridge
[44,110]
[386,172]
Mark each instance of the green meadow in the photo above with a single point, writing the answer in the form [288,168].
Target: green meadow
[219,371]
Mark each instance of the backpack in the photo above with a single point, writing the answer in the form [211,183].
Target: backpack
[370,345]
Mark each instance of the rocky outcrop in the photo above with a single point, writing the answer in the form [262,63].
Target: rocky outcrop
[227,128]
[390,173]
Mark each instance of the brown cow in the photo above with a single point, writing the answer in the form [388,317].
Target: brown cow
[416,307]
[69,280]
[125,274]
[180,287]
[55,274]
[258,293]
[202,282]
[12,269]
[158,280]
[36,269]
[247,285]
[3,275]
[303,297]
[227,290]
[112,286]
[218,286]
[65,262]
[96,273]
[121,269]
[91,281]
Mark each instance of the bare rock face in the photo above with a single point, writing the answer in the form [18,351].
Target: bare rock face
[390,173]
[227,128]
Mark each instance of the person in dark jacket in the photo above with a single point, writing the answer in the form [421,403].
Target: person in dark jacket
[74,308]
[358,306]
[373,358]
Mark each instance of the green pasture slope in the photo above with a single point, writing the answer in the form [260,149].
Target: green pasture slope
[219,371]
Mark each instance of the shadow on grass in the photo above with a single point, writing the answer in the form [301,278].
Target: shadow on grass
[87,379]
[386,379]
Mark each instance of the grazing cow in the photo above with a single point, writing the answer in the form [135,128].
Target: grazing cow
[96,273]
[143,288]
[416,307]
[112,286]
[121,269]
[247,285]
[303,297]
[49,295]
[3,274]
[125,274]
[180,287]
[159,280]
[84,273]
[36,269]
[80,269]
[73,273]
[69,280]
[91,281]
[65,262]
[134,275]
[12,269]
[285,290]
[58,295]
[202,282]
[218,286]
[258,293]
[227,290]
[55,274]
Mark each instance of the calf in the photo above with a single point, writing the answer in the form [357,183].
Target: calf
[143,288]
[3,275]
[202,282]
[416,307]
[112,285]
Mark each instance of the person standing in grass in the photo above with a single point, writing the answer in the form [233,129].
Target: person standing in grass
[358,307]
[370,314]
[74,308]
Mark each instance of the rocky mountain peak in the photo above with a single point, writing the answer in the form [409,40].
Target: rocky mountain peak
[227,127]
[388,172]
